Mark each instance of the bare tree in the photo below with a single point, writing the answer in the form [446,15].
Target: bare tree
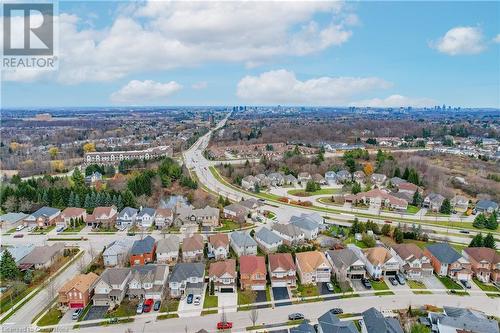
[80,264]
[254,315]
[51,291]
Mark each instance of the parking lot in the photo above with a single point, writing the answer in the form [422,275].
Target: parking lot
[281,293]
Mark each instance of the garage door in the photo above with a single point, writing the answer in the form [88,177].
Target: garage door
[263,287]
[279,284]
[226,290]
[356,276]
[76,305]
[390,273]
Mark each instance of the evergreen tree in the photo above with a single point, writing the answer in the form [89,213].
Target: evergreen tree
[492,222]
[445,206]
[227,202]
[417,199]
[356,188]
[88,202]
[489,241]
[77,201]
[406,173]
[129,199]
[71,199]
[8,267]
[477,241]
[119,203]
[78,178]
[398,235]
[397,172]
[479,221]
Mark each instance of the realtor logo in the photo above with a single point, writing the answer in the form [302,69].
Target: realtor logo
[35,36]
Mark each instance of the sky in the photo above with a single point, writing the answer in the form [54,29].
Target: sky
[368,53]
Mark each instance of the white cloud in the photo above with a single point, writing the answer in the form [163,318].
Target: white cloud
[282,87]
[161,35]
[461,40]
[395,101]
[145,92]
[496,39]
[199,85]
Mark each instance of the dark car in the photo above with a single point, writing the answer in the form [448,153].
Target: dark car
[295,316]
[336,311]
[393,281]
[465,283]
[464,231]
[400,278]
[190,299]
[157,305]
[366,283]
[18,236]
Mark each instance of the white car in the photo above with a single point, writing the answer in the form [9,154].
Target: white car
[19,227]
[197,300]
[30,229]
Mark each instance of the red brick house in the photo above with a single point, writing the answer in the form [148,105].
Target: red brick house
[77,292]
[253,272]
[143,251]
[485,263]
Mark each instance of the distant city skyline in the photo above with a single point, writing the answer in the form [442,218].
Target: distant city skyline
[376,54]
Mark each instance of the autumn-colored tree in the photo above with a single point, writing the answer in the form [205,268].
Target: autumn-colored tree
[89,147]
[53,151]
[368,169]
[14,146]
[57,165]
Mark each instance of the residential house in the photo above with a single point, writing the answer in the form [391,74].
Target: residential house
[461,320]
[304,177]
[42,257]
[253,272]
[12,220]
[330,323]
[407,188]
[77,292]
[187,278]
[93,178]
[379,262]
[116,253]
[18,252]
[486,206]
[448,262]
[248,183]
[242,243]
[70,215]
[374,322]
[290,180]
[312,267]
[396,181]
[378,179]
[236,212]
[460,203]
[251,204]
[412,261]
[314,217]
[346,264]
[317,178]
[223,274]
[207,217]
[167,250]
[126,218]
[378,198]
[143,251]
[331,178]
[111,287]
[267,240]
[433,202]
[343,176]
[485,263]
[146,217]
[282,270]
[218,246]
[148,281]
[102,217]
[43,217]
[307,226]
[290,234]
[192,248]
[262,180]
[276,179]
[164,217]
[303,327]
[359,177]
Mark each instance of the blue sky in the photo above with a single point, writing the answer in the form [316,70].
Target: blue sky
[354,53]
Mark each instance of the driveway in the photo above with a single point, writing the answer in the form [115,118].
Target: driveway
[280,294]
[261,297]
[398,286]
[432,282]
[358,286]
[96,312]
[191,310]
[67,317]
[228,301]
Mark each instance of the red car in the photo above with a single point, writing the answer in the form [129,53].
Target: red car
[224,325]
[148,305]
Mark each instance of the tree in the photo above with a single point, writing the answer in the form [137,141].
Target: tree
[356,188]
[53,151]
[8,267]
[446,207]
[350,164]
[386,230]
[311,186]
[417,199]
[57,165]
[368,168]
[489,241]
[479,221]
[254,315]
[477,241]
[397,172]
[406,173]
[419,328]
[398,235]
[492,222]
[89,147]
[78,178]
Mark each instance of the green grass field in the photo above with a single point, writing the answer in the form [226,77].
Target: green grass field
[379,287]
[52,317]
[211,301]
[323,191]
[487,287]
[417,287]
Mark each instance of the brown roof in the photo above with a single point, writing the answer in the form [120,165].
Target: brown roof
[219,240]
[72,212]
[309,261]
[405,251]
[377,255]
[281,260]
[407,186]
[164,212]
[220,268]
[483,253]
[252,264]
[192,243]
[81,282]
[99,211]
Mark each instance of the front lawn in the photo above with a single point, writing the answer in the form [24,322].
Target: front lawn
[412,209]
[245,297]
[417,287]
[169,305]
[323,191]
[381,285]
[76,229]
[487,287]
[228,225]
[455,288]
[127,308]
[306,290]
[52,317]
[211,301]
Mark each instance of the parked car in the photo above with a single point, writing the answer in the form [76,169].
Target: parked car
[465,283]
[30,229]
[329,286]
[189,299]
[336,311]
[197,300]
[20,227]
[224,325]
[148,305]
[18,236]
[400,278]
[76,314]
[139,308]
[295,316]
[157,305]
[59,229]
[464,231]
[366,283]
[393,281]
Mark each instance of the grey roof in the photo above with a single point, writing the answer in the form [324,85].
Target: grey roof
[396,181]
[485,204]
[143,245]
[330,174]
[305,327]
[287,229]
[242,239]
[183,271]
[344,257]
[146,210]
[45,211]
[469,320]
[304,223]
[315,217]
[290,178]
[115,275]
[18,252]
[343,174]
[435,197]
[375,322]
[13,217]
[169,244]
[444,253]
[330,323]
[42,254]
[117,247]
[249,203]
[149,273]
[267,236]
[128,210]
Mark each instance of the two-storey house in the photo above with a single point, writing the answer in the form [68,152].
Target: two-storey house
[253,272]
[485,263]
[346,264]
[167,250]
[187,278]
[126,218]
[282,270]
[448,262]
[412,261]
[379,262]
[77,292]
[242,243]
[143,251]
[218,246]
[223,275]
[312,267]
[111,287]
